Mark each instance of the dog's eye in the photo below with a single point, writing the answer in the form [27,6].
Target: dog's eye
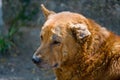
[56,42]
[41,37]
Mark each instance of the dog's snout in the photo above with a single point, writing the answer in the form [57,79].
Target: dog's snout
[36,59]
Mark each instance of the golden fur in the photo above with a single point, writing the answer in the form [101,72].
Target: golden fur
[82,49]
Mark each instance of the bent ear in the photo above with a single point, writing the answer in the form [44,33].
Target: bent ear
[45,11]
[80,30]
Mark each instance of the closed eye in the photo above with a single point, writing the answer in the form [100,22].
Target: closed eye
[56,42]
[41,37]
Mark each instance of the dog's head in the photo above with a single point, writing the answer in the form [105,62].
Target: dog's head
[59,36]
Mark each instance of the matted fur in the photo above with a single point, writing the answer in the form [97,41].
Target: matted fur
[83,52]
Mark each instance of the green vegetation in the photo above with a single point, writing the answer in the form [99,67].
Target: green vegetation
[5,44]
[7,41]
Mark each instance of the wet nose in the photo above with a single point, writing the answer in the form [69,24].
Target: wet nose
[36,59]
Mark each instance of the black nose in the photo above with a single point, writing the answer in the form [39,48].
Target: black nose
[36,59]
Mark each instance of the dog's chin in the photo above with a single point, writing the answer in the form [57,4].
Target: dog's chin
[44,66]
[47,66]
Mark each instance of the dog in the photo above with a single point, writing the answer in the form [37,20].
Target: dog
[77,48]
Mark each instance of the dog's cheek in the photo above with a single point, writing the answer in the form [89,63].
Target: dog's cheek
[64,53]
[57,52]
[46,54]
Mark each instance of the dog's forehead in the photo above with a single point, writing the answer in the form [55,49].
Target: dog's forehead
[51,33]
[63,18]
[51,30]
[54,22]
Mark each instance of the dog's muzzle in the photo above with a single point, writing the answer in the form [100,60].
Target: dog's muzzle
[36,59]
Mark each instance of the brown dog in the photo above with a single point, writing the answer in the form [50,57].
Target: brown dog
[77,48]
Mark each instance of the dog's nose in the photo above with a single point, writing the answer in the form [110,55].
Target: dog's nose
[36,59]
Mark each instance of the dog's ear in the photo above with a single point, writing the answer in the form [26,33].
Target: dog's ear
[45,11]
[80,30]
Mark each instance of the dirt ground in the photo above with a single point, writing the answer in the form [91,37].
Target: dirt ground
[18,64]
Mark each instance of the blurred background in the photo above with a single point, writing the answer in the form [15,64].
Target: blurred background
[20,24]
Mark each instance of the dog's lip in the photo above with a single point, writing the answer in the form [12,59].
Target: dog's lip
[43,66]
[47,65]
[56,65]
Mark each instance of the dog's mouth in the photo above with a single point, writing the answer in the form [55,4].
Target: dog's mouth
[43,65]
[46,65]
[56,65]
